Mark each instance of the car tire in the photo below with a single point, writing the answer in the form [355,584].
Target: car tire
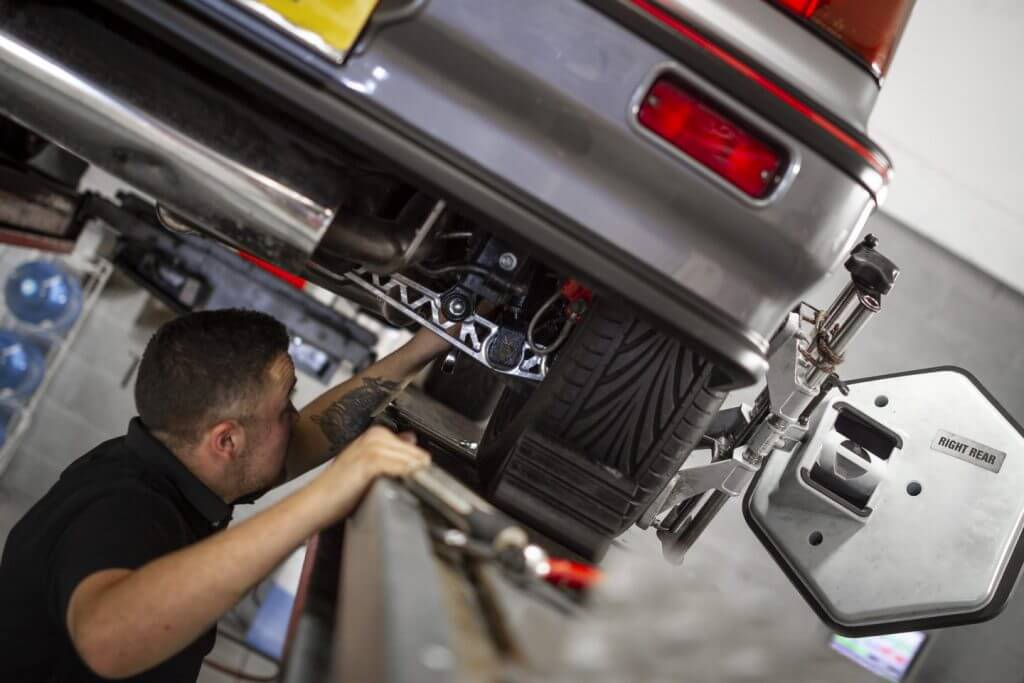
[583,454]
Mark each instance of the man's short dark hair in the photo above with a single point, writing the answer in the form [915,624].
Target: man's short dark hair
[205,367]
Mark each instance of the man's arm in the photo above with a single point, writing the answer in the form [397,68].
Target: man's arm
[341,414]
[123,622]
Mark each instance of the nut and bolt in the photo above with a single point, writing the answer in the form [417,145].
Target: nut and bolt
[451,359]
[752,458]
[508,261]
[455,538]
[456,307]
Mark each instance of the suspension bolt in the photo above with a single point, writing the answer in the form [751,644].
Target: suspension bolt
[455,306]
[508,261]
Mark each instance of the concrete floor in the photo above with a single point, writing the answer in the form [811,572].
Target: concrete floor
[728,614]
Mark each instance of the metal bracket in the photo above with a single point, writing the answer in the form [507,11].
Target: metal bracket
[423,232]
[785,373]
[424,306]
[722,433]
[730,476]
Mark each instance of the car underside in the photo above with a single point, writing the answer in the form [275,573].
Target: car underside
[512,175]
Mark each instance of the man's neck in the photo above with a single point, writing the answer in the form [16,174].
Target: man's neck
[196,464]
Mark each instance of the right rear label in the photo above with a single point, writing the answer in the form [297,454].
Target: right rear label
[968,450]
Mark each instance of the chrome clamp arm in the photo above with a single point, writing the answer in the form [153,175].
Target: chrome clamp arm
[423,305]
[801,371]
[729,475]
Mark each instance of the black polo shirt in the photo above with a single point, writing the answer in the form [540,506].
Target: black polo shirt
[126,502]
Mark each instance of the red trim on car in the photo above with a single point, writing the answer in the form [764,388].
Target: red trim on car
[804,8]
[280,273]
[673,22]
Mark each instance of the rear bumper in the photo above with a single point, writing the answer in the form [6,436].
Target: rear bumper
[521,113]
[536,100]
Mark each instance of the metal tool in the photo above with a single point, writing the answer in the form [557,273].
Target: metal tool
[804,356]
[466,511]
[901,509]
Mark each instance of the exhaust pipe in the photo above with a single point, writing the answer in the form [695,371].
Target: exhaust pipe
[385,246]
[252,179]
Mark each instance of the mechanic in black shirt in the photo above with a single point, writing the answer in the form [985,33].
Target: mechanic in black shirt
[123,568]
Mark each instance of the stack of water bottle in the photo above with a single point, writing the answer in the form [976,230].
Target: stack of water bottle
[42,302]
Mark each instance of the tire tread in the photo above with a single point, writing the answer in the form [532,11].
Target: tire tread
[627,398]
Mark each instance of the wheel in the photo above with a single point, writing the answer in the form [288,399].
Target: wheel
[583,454]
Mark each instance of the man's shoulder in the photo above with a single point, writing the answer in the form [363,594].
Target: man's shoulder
[127,506]
[107,482]
[112,464]
[112,453]
[123,523]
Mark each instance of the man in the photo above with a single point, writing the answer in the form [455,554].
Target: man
[122,569]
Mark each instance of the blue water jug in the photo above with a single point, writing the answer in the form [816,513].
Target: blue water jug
[43,293]
[22,365]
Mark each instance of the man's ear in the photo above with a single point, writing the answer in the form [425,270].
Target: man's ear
[226,440]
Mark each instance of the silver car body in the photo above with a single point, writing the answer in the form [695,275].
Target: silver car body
[525,113]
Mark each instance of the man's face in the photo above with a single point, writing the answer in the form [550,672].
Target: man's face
[270,432]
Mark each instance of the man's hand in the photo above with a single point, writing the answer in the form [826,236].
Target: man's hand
[378,452]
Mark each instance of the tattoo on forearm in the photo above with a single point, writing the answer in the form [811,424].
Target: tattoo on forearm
[352,414]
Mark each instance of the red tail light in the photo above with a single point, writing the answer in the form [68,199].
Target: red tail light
[704,132]
[870,29]
[804,8]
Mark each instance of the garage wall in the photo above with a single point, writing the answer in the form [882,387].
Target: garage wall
[949,115]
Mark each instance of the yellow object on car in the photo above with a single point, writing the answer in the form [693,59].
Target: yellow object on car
[331,26]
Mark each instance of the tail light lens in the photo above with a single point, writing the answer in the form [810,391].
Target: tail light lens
[704,132]
[870,29]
